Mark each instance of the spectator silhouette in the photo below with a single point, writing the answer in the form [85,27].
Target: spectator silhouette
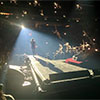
[4,96]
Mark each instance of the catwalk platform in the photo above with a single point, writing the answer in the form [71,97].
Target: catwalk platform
[54,70]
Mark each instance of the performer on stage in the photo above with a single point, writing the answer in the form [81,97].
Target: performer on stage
[33,45]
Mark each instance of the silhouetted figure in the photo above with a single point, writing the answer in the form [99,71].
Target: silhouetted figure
[33,45]
[4,96]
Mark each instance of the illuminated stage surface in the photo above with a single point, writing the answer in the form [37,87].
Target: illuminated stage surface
[45,67]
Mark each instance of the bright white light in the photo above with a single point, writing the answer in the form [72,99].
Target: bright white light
[26,83]
[96,50]
[22,26]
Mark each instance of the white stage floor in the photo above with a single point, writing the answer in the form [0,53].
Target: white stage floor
[44,66]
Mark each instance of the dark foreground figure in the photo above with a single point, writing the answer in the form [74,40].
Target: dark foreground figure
[4,96]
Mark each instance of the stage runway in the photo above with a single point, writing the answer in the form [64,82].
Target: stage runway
[44,67]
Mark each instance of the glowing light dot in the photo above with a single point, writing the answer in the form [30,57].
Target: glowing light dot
[93,39]
[46,42]
[25,12]
[55,7]
[64,16]
[96,50]
[47,24]
[1,3]
[30,3]
[87,45]
[55,3]
[88,48]
[35,1]
[77,6]
[55,12]
[41,14]
[74,48]
[22,15]
[65,33]
[22,26]
[26,83]
[77,20]
[84,34]
[67,26]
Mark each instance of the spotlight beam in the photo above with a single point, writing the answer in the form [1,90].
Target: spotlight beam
[22,26]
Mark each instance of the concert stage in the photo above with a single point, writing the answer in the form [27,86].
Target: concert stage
[52,79]
[49,71]
[66,80]
[54,70]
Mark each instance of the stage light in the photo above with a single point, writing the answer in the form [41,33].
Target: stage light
[96,50]
[22,26]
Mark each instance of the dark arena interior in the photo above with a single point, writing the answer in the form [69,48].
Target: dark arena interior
[49,49]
